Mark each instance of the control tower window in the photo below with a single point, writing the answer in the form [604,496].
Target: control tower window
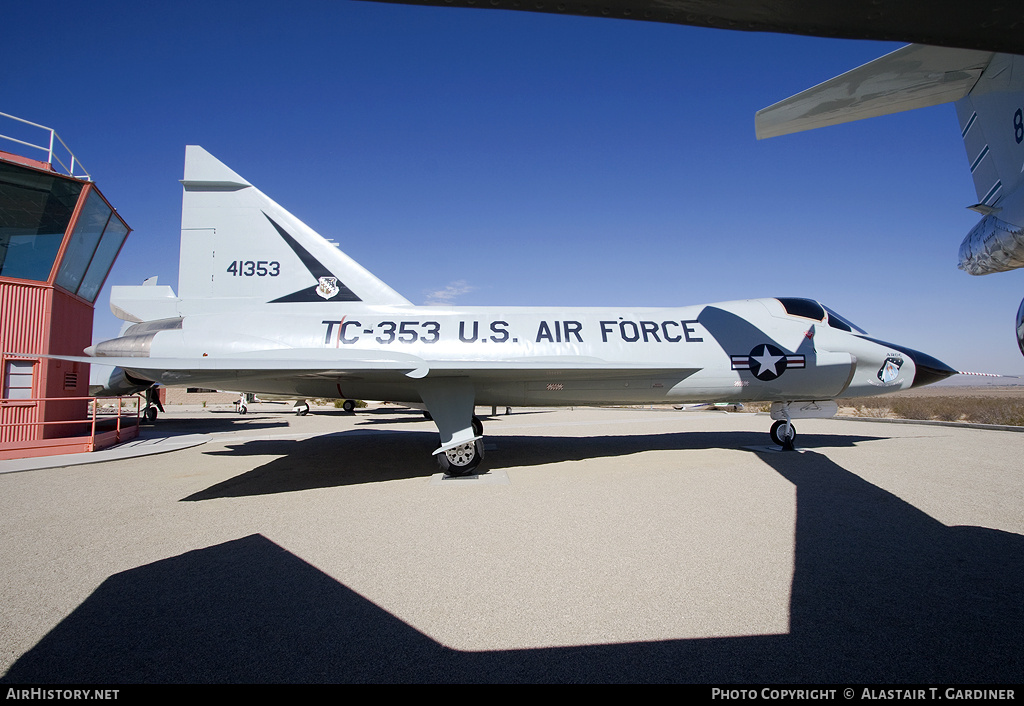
[103,260]
[35,210]
[94,244]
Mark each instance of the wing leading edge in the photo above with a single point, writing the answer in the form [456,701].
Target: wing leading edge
[914,76]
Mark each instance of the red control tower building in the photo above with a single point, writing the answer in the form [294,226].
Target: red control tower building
[59,238]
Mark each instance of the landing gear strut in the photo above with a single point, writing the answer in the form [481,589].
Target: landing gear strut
[152,404]
[450,402]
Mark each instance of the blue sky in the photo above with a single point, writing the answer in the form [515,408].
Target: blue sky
[505,158]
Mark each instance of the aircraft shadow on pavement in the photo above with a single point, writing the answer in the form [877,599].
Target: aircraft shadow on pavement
[211,424]
[881,593]
[356,457]
[326,461]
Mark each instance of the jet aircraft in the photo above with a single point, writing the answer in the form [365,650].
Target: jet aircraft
[267,305]
[988,91]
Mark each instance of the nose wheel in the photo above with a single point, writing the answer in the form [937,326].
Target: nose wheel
[782,435]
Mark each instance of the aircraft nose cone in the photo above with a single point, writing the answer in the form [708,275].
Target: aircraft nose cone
[929,369]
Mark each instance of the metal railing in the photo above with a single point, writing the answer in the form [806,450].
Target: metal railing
[100,419]
[50,149]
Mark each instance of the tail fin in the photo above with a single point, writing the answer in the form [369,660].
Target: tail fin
[991,118]
[992,126]
[239,245]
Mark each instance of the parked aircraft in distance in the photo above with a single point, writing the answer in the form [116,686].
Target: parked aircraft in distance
[988,89]
[267,305]
[300,406]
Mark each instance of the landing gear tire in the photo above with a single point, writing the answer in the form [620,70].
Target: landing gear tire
[302,411]
[242,409]
[463,459]
[150,414]
[478,426]
[778,429]
[349,406]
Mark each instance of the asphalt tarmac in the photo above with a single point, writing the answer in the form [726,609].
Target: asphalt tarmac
[601,545]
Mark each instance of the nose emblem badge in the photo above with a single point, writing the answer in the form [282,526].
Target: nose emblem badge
[890,370]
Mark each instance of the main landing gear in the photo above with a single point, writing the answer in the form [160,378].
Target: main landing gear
[450,402]
[463,459]
[152,404]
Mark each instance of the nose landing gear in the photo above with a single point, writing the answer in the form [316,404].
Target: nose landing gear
[783,433]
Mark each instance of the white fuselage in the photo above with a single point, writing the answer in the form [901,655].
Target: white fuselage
[533,356]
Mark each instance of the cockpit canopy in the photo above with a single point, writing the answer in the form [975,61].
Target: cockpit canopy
[810,309]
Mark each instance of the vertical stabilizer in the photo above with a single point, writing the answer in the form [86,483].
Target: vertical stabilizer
[239,245]
[991,121]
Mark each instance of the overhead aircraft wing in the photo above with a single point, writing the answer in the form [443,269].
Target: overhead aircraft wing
[990,25]
[913,76]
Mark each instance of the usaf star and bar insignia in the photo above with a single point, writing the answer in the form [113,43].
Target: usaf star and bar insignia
[767,362]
